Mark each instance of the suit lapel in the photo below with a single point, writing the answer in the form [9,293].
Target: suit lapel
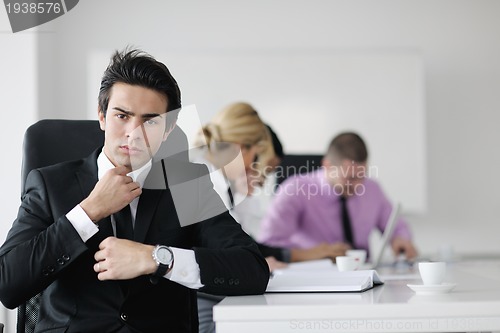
[146,208]
[87,174]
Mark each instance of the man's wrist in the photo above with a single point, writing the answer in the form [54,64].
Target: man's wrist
[151,265]
[87,208]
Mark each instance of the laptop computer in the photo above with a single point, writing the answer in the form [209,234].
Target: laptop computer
[377,256]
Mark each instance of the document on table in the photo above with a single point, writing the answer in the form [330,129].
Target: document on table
[321,276]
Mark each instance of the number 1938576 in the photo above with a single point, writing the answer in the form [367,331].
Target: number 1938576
[33,8]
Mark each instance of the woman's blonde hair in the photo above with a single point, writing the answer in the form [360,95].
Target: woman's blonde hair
[240,123]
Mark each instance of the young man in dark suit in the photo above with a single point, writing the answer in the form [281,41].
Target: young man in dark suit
[121,240]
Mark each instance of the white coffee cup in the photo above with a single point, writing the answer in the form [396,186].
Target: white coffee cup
[359,255]
[432,273]
[346,263]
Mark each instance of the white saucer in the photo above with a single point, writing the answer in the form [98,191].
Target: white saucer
[432,289]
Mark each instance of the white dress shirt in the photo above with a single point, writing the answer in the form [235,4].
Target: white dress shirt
[185,270]
[247,210]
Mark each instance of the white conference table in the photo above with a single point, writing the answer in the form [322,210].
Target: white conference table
[473,306]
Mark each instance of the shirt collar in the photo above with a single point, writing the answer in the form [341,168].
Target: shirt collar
[139,175]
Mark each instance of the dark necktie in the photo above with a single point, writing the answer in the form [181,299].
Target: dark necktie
[231,198]
[123,222]
[346,221]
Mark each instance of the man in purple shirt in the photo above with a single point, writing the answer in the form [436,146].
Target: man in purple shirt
[307,208]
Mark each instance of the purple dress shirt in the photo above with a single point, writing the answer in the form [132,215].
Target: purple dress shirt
[306,211]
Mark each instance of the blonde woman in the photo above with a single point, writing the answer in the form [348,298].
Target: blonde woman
[237,148]
[237,143]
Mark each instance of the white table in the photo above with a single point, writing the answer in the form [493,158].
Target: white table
[473,306]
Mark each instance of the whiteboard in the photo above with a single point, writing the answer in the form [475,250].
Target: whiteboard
[310,97]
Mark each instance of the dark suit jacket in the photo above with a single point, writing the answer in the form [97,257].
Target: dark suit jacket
[44,252]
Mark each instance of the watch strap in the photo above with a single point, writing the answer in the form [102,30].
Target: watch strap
[161,270]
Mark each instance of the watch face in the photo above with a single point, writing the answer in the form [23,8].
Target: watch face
[164,256]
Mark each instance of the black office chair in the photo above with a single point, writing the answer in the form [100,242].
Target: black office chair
[49,142]
[296,164]
[52,141]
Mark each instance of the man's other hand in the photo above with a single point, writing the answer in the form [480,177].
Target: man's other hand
[122,259]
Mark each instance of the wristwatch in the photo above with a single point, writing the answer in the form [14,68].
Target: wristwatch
[164,257]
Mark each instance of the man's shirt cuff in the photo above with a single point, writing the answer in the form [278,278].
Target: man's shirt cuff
[82,223]
[186,270]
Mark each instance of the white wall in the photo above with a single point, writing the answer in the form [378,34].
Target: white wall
[458,40]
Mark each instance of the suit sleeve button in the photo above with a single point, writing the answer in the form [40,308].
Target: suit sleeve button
[124,316]
[51,269]
[61,261]
[65,257]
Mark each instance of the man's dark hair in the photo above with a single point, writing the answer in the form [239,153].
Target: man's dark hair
[347,145]
[278,147]
[135,67]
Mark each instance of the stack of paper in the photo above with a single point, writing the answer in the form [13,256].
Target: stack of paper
[321,276]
